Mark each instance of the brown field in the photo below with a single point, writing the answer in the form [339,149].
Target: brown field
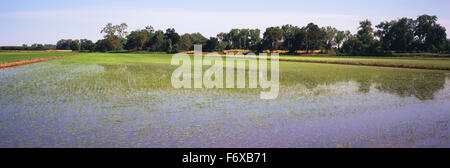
[35,50]
[237,51]
[25,62]
[304,51]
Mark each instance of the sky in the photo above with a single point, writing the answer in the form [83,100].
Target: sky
[47,21]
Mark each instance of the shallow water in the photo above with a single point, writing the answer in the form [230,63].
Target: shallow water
[66,105]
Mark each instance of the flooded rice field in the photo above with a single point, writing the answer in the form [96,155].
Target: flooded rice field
[53,104]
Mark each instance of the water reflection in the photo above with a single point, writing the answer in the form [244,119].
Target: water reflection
[421,84]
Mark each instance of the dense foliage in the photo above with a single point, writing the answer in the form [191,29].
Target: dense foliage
[32,47]
[423,34]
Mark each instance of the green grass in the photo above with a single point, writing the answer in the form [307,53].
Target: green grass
[118,58]
[438,55]
[418,61]
[121,58]
[7,57]
[153,71]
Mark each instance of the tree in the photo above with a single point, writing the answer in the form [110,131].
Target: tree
[244,39]
[197,39]
[365,32]
[403,35]
[429,33]
[137,39]
[172,35]
[222,36]
[211,44]
[289,33]
[254,39]
[340,37]
[300,40]
[86,44]
[353,46]
[150,34]
[37,46]
[185,42]
[363,43]
[397,35]
[114,35]
[75,45]
[149,29]
[314,37]
[446,48]
[63,44]
[68,44]
[223,41]
[101,45]
[272,38]
[114,43]
[240,39]
[233,38]
[49,46]
[168,47]
[115,30]
[156,42]
[330,35]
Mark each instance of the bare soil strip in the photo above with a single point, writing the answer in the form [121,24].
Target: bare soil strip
[25,62]
[25,51]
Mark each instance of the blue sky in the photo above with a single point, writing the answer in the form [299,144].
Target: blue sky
[47,21]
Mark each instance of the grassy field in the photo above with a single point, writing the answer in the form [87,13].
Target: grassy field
[127,100]
[7,57]
[416,61]
[115,58]
[153,71]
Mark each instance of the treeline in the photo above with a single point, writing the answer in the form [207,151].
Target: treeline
[77,45]
[422,34]
[32,47]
